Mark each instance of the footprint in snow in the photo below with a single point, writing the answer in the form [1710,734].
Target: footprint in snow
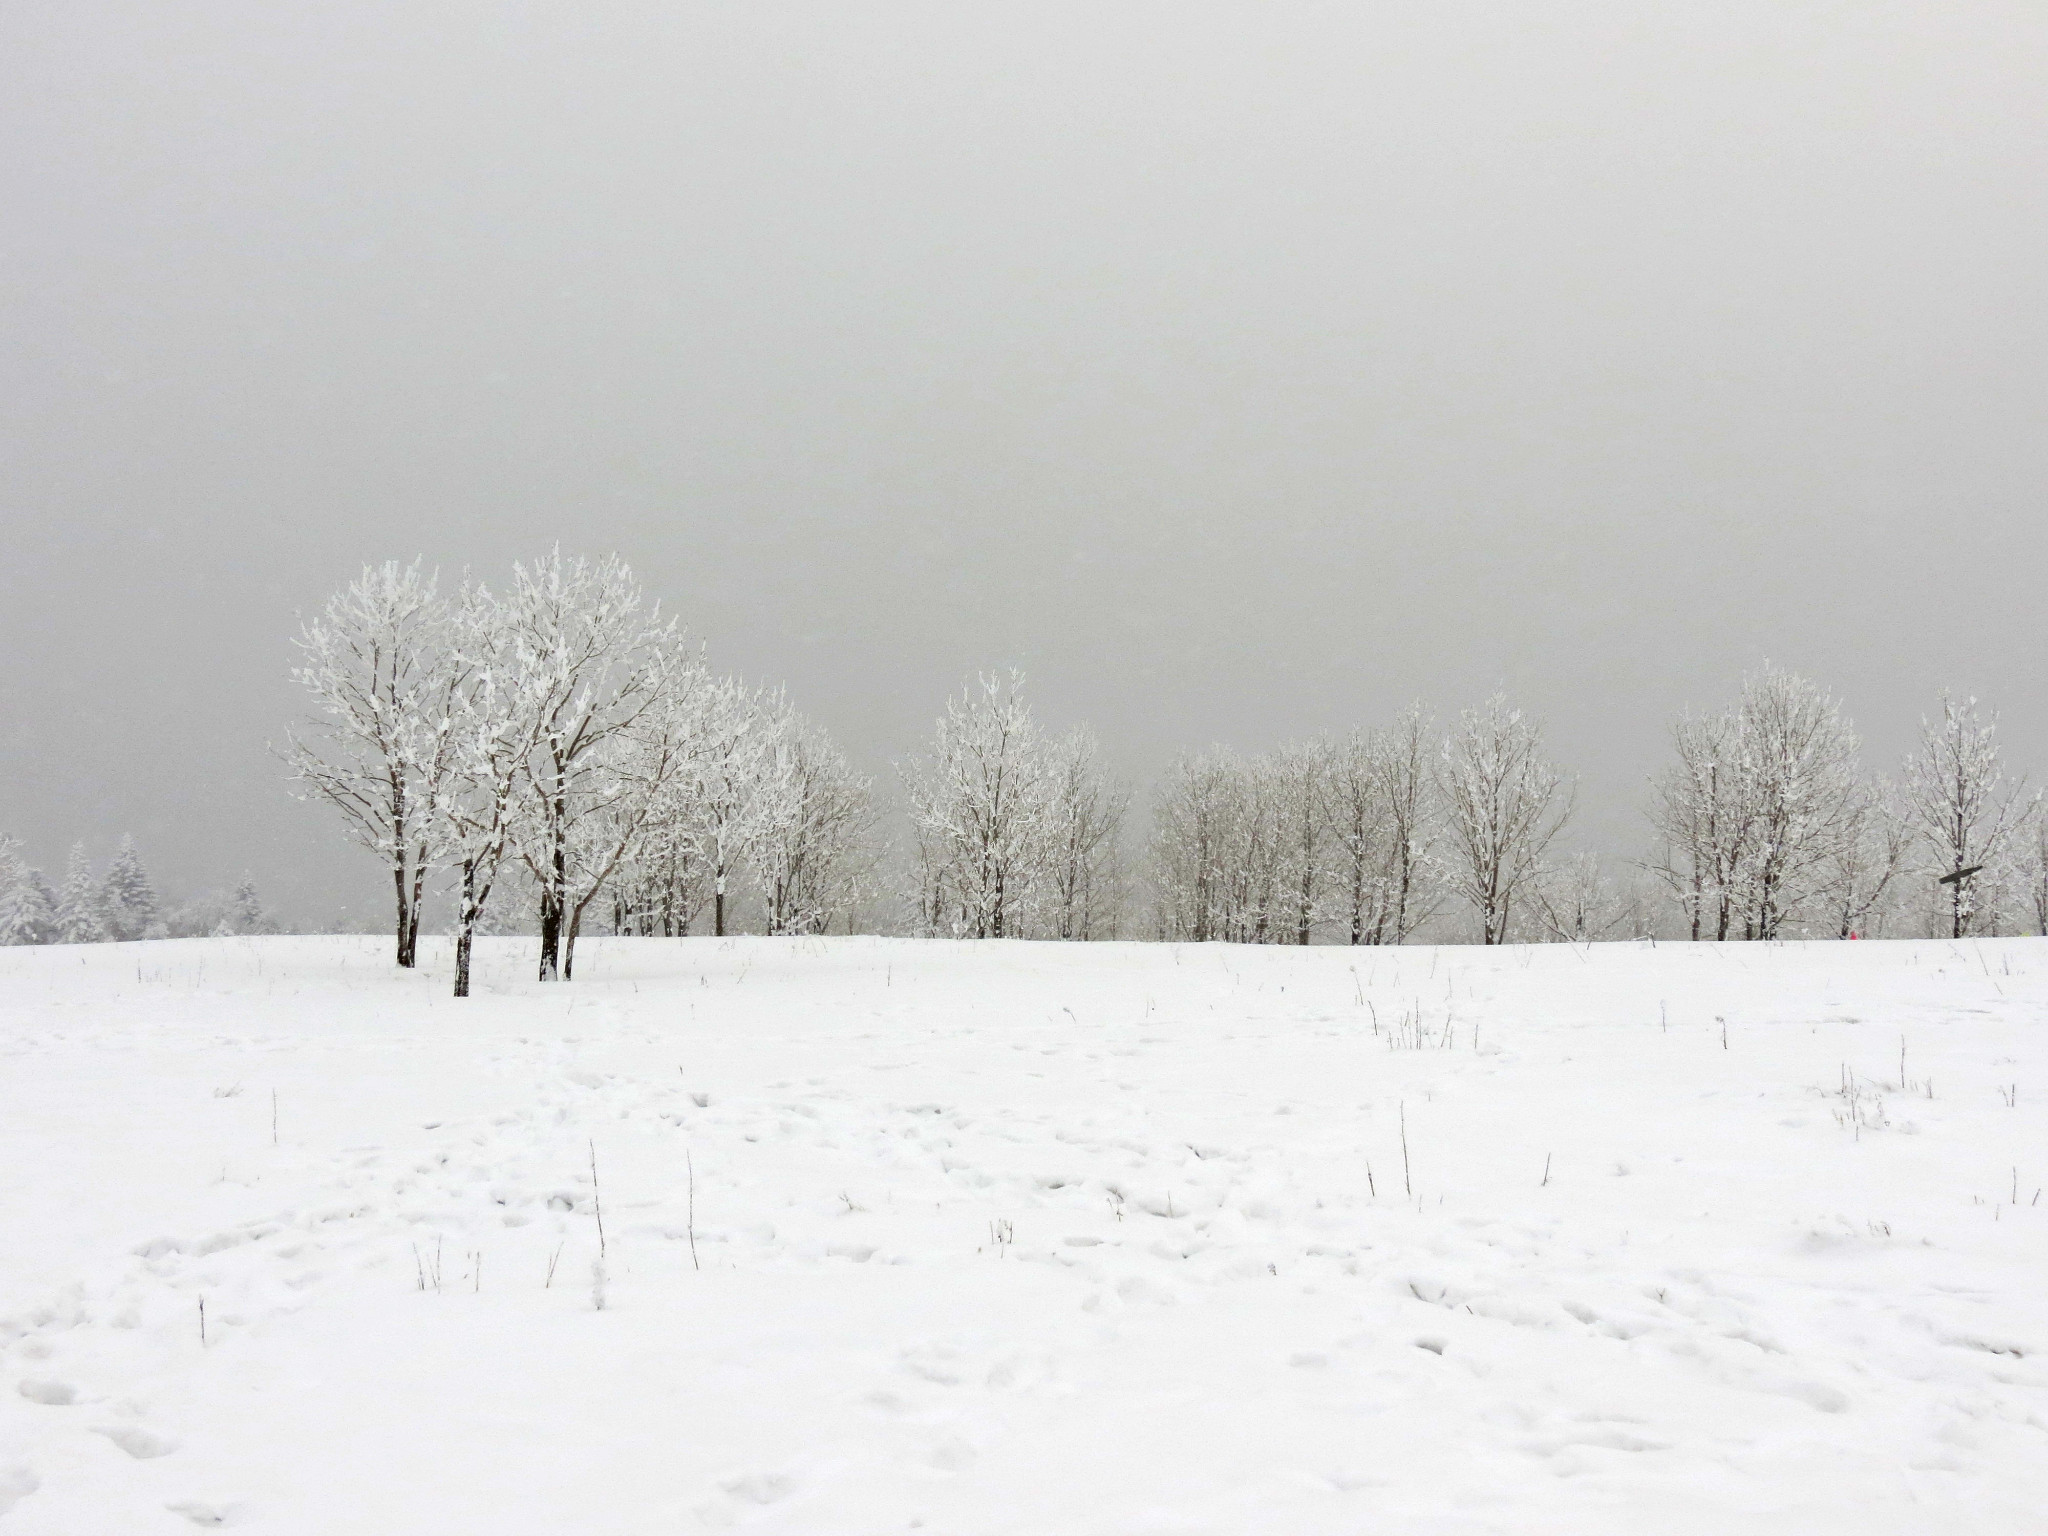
[53,1394]
[136,1441]
[200,1512]
[16,1484]
[760,1487]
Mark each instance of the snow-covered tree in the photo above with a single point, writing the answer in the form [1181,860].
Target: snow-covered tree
[1379,812]
[1702,811]
[2034,870]
[739,774]
[27,913]
[1764,816]
[1297,775]
[1505,802]
[1575,902]
[127,898]
[384,670]
[1862,873]
[601,661]
[81,918]
[1802,787]
[812,847]
[979,806]
[1968,817]
[247,914]
[1192,812]
[1081,893]
[1219,852]
[629,779]
[494,730]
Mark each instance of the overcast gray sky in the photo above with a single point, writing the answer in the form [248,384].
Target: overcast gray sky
[1238,371]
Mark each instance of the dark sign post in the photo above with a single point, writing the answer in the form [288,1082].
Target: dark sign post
[1955,878]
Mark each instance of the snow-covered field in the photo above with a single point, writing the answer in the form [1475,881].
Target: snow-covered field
[1025,1238]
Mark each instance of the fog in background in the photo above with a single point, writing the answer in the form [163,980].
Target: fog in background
[1238,372]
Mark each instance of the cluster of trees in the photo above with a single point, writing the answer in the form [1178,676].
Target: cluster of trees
[120,905]
[556,755]
[1016,834]
[1368,838]
[563,737]
[1769,825]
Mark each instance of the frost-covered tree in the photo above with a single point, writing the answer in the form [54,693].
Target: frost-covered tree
[1862,872]
[2034,870]
[1220,852]
[1504,803]
[979,807]
[1298,774]
[384,670]
[1803,787]
[601,661]
[1702,811]
[1576,902]
[812,848]
[494,730]
[1968,817]
[1380,814]
[81,917]
[1191,822]
[1764,817]
[663,890]
[1081,894]
[247,913]
[738,776]
[630,778]
[27,913]
[128,898]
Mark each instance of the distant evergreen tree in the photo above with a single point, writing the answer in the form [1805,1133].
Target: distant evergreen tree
[26,913]
[247,913]
[46,903]
[79,918]
[127,898]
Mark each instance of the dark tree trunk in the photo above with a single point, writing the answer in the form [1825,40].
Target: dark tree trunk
[550,936]
[569,945]
[405,919]
[553,895]
[466,933]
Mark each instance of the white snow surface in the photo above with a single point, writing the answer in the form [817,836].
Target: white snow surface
[1014,1237]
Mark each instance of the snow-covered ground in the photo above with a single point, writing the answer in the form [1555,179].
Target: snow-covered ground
[1025,1238]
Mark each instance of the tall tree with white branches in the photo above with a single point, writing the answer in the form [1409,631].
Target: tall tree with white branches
[812,848]
[1081,893]
[383,670]
[1765,819]
[979,806]
[495,732]
[1802,786]
[600,659]
[738,774]
[1505,802]
[1967,815]
[634,772]
[1193,810]
[1863,872]
[1703,813]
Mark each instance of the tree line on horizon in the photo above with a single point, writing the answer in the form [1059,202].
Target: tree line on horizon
[559,757]
[120,905]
